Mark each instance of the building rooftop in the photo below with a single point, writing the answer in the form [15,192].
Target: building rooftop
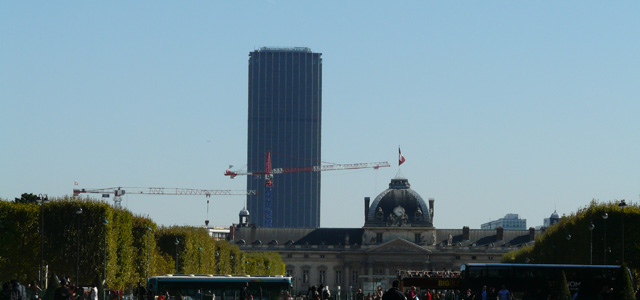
[285,49]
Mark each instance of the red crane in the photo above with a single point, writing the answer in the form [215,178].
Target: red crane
[269,172]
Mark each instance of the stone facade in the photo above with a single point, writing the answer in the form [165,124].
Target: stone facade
[395,239]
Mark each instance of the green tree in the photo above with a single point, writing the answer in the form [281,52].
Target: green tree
[19,241]
[624,286]
[553,246]
[562,291]
[27,198]
[118,248]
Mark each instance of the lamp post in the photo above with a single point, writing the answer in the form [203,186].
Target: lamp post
[78,213]
[176,243]
[42,199]
[591,227]
[199,259]
[147,245]
[105,222]
[622,205]
[217,262]
[605,216]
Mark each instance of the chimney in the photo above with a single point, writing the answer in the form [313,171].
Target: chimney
[532,234]
[431,200]
[499,233]
[232,232]
[367,201]
[465,233]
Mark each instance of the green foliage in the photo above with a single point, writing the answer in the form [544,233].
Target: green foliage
[118,248]
[554,246]
[624,287]
[563,288]
[125,273]
[264,263]
[26,199]
[53,285]
[144,244]
[19,241]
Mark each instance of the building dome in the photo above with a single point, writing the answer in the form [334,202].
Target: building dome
[555,215]
[244,212]
[399,206]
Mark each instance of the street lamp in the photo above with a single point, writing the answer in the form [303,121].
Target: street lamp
[105,222]
[147,240]
[605,216]
[199,259]
[217,262]
[233,265]
[591,227]
[78,213]
[622,205]
[176,243]
[42,199]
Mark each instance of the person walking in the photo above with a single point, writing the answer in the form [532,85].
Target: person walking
[141,291]
[93,292]
[244,294]
[394,293]
[503,293]
[16,291]
[379,293]
[62,293]
[326,293]
[36,291]
[5,294]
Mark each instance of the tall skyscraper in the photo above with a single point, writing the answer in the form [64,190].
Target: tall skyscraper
[285,117]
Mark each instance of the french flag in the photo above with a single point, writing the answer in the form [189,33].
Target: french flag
[401,158]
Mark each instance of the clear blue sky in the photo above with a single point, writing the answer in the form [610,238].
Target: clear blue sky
[499,106]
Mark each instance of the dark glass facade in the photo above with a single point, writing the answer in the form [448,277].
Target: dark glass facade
[285,117]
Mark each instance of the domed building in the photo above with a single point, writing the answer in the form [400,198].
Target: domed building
[399,206]
[398,234]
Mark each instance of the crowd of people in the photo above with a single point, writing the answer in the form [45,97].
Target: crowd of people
[14,290]
[321,292]
[486,293]
[430,274]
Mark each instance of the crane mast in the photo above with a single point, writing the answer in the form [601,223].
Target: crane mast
[269,172]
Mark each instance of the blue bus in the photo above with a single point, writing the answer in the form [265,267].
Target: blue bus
[538,281]
[218,287]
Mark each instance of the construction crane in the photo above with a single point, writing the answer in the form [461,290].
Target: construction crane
[118,192]
[269,172]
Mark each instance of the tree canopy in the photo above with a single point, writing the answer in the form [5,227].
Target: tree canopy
[113,242]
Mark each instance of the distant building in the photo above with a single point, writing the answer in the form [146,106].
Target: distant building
[218,233]
[398,234]
[285,117]
[509,222]
[555,218]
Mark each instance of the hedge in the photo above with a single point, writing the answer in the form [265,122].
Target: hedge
[133,243]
